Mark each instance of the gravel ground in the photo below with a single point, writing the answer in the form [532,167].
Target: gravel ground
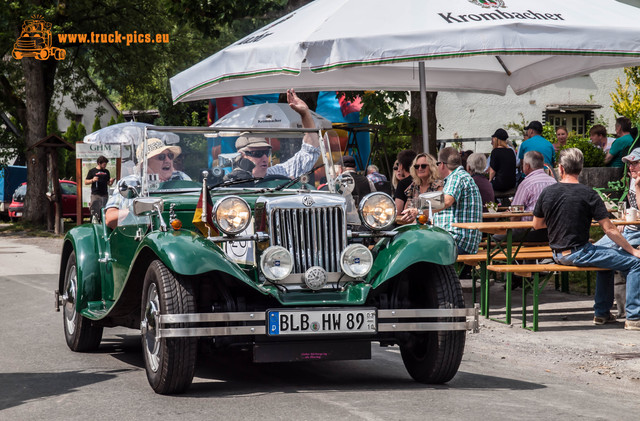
[567,344]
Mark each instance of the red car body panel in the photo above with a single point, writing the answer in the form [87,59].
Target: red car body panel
[69,200]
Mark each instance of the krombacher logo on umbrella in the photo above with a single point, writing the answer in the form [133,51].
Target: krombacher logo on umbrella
[498,14]
[488,3]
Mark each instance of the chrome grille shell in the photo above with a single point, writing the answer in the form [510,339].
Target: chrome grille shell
[314,231]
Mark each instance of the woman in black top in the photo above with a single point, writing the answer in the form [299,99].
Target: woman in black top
[502,169]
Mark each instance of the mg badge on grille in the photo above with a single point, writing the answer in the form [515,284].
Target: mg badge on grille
[315,277]
[307,201]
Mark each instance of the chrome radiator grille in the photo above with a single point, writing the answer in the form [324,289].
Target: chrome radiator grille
[313,236]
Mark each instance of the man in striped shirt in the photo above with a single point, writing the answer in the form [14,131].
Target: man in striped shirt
[527,195]
[462,201]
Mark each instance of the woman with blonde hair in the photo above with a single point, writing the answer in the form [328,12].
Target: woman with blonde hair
[424,174]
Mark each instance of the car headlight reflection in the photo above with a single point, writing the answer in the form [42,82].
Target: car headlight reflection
[276,263]
[356,260]
[377,211]
[232,215]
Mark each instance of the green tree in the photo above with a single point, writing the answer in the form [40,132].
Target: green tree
[626,98]
[112,121]
[134,75]
[96,124]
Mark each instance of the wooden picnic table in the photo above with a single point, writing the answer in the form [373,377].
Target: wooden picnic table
[505,228]
[492,228]
[497,215]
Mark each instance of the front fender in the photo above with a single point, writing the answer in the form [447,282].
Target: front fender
[187,253]
[85,242]
[414,244]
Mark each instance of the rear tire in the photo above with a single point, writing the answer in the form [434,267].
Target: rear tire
[169,362]
[80,333]
[430,357]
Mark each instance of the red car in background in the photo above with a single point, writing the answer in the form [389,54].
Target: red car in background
[69,200]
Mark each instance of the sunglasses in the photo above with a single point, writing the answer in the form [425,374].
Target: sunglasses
[439,162]
[162,156]
[420,166]
[395,168]
[259,153]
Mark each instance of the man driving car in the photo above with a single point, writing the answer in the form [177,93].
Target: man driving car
[257,150]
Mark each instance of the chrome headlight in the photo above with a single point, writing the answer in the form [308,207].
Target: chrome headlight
[356,260]
[276,263]
[377,211]
[231,215]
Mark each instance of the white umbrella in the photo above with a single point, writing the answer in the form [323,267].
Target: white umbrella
[129,133]
[465,45]
[267,115]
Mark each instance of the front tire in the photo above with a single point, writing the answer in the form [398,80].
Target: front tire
[430,357]
[169,362]
[80,333]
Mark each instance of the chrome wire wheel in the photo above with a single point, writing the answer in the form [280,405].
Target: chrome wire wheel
[150,331]
[69,300]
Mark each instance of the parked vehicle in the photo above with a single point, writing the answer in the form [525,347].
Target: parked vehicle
[69,200]
[11,176]
[285,273]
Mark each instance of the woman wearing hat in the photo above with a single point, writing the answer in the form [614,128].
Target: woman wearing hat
[160,160]
[502,170]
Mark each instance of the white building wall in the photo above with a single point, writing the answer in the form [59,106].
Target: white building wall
[88,113]
[471,115]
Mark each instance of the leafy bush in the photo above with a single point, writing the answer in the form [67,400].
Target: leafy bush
[593,156]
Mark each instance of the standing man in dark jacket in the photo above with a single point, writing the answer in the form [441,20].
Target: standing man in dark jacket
[100,179]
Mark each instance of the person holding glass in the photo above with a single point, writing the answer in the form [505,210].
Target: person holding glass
[425,178]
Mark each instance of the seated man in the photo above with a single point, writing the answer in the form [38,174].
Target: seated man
[160,158]
[567,209]
[605,280]
[256,151]
[462,201]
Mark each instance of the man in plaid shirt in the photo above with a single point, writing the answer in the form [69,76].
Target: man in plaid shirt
[461,199]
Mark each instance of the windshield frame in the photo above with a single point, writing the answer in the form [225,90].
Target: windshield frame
[325,148]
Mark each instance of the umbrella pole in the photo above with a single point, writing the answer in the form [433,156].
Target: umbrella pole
[423,108]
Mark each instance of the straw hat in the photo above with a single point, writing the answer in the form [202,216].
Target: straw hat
[155,147]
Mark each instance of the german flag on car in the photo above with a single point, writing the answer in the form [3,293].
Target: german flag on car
[203,219]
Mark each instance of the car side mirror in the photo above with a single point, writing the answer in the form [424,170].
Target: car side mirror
[129,187]
[147,205]
[434,201]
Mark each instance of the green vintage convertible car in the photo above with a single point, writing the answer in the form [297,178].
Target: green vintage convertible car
[268,265]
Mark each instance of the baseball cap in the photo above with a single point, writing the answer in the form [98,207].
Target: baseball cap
[632,157]
[501,134]
[535,125]
[348,161]
[155,147]
[253,142]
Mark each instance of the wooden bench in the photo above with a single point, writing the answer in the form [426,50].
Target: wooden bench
[527,271]
[480,259]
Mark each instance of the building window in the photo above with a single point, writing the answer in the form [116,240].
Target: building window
[574,118]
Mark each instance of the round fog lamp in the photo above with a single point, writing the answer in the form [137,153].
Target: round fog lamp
[377,211]
[356,260]
[232,215]
[276,263]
